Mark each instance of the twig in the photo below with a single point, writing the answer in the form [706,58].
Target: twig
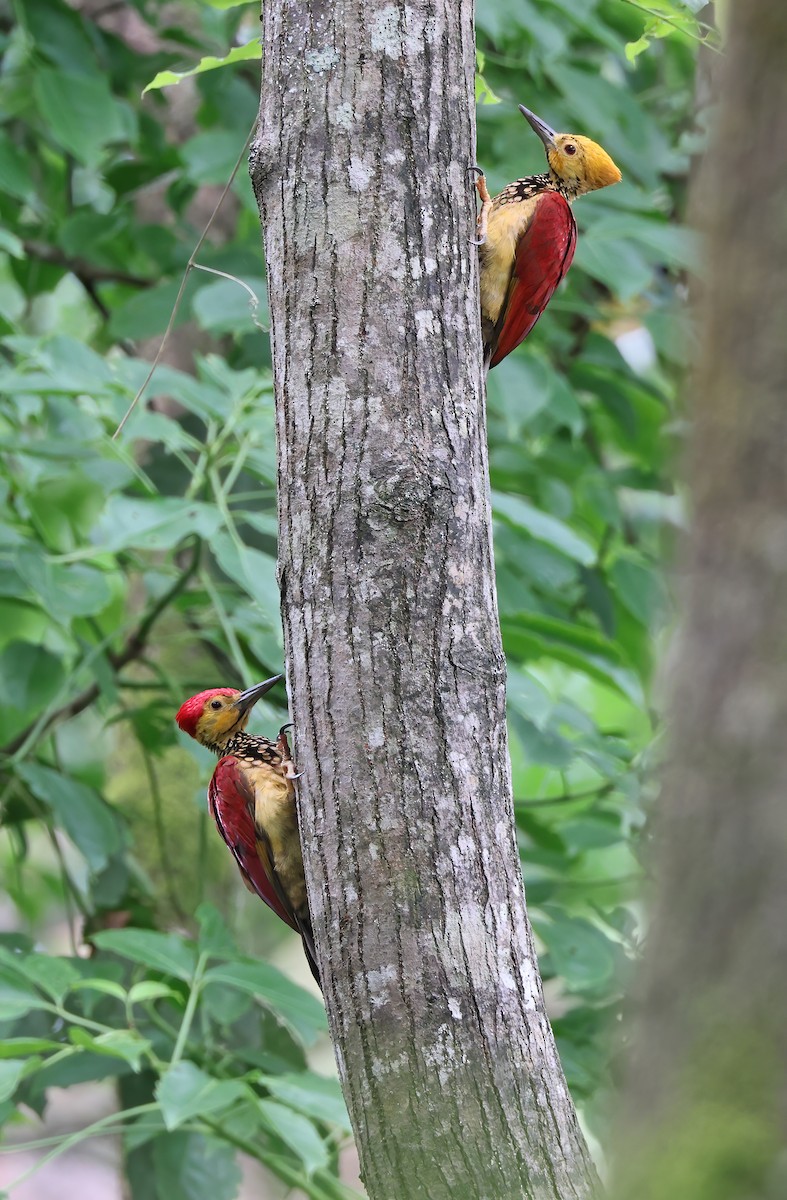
[254,300]
[133,648]
[703,41]
[86,272]
[564,798]
[237,657]
[161,834]
[190,265]
[190,1010]
[318,1186]
[65,1143]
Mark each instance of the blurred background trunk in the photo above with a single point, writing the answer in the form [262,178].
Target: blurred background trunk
[707,1095]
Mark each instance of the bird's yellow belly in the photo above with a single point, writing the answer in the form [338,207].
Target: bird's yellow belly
[506,226]
[275,813]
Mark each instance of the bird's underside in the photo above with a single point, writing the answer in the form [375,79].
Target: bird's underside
[526,238]
[252,800]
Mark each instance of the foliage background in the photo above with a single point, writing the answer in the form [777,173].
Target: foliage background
[136,571]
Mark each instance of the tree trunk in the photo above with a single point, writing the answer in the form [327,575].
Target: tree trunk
[707,1097]
[396,671]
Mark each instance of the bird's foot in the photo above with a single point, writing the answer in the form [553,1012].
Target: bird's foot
[283,746]
[486,205]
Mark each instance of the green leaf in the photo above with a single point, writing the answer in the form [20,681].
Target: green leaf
[542,745]
[11,1047]
[79,112]
[64,504]
[671,244]
[214,937]
[150,989]
[152,524]
[117,1043]
[106,987]
[639,588]
[15,170]
[298,1009]
[82,1066]
[226,307]
[483,92]
[15,999]
[528,696]
[210,157]
[34,676]
[584,957]
[74,367]
[543,527]
[164,952]
[253,570]
[193,1166]
[297,1132]
[594,831]
[250,50]
[146,313]
[9,242]
[315,1095]
[573,634]
[618,263]
[91,824]
[55,976]
[184,1091]
[64,591]
[634,49]
[12,1070]
[225,1005]
[60,35]
[533,636]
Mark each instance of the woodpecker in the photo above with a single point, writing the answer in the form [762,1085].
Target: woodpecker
[527,235]
[251,798]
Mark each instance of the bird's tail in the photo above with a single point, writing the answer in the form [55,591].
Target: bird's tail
[305,928]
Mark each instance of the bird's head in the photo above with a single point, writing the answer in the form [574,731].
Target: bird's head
[576,163]
[215,716]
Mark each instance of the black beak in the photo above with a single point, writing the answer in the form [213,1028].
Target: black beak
[544,131]
[247,699]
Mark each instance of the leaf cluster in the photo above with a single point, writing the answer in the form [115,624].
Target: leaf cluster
[136,571]
[205,1046]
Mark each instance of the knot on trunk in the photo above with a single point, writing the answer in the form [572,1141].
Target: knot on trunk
[263,162]
[403,494]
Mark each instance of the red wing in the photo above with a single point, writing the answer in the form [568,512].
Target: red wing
[543,255]
[231,802]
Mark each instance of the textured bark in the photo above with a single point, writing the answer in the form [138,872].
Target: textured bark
[707,1098]
[395,665]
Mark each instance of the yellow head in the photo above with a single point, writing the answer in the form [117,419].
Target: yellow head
[214,717]
[577,164]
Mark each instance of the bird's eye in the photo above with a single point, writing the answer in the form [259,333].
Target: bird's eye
[569,148]
[215,703]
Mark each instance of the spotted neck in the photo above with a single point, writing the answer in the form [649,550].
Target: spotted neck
[533,185]
[250,747]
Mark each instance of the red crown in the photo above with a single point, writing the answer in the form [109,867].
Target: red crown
[192,709]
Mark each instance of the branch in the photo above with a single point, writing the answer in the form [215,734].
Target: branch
[132,650]
[85,271]
[563,798]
